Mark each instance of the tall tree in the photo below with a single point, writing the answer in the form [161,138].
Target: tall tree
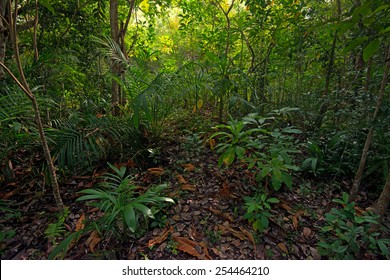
[4,7]
[24,86]
[358,177]
[114,26]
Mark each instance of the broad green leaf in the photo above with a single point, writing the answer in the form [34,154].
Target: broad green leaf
[383,245]
[130,217]
[240,152]
[287,179]
[276,183]
[47,5]
[146,211]
[273,200]
[370,49]
[228,156]
[64,244]
[354,44]
[264,221]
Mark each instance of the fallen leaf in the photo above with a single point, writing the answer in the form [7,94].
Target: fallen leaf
[205,255]
[222,214]
[80,223]
[212,144]
[93,240]
[283,247]
[131,164]
[250,237]
[190,247]
[314,253]
[181,179]
[120,165]
[295,221]
[188,167]
[236,233]
[218,253]
[188,187]
[156,171]
[306,231]
[225,192]
[193,233]
[286,207]
[162,237]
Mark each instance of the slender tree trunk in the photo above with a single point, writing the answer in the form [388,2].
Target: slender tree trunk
[384,199]
[329,71]
[36,53]
[114,67]
[227,47]
[363,159]
[3,34]
[26,89]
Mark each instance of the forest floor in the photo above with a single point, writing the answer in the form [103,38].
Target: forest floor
[206,222]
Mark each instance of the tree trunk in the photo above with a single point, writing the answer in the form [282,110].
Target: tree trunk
[362,164]
[114,66]
[384,199]
[3,34]
[26,89]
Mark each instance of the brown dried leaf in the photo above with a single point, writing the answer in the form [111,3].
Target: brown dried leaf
[93,240]
[250,237]
[225,191]
[188,187]
[286,207]
[295,221]
[156,171]
[219,213]
[306,231]
[218,253]
[190,247]
[181,179]
[80,223]
[162,237]
[131,164]
[194,234]
[236,233]
[283,247]
[206,255]
[188,167]
[212,144]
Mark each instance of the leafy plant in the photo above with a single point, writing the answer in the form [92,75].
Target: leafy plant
[121,201]
[349,235]
[236,139]
[267,152]
[7,213]
[258,210]
[57,229]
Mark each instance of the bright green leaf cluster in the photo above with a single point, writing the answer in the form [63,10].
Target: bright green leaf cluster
[348,235]
[120,201]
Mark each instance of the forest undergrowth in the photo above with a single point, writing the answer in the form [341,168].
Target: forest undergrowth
[219,211]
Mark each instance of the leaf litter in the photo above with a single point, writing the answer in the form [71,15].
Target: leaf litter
[206,222]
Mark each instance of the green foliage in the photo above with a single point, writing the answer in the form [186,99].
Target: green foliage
[349,235]
[122,203]
[57,229]
[7,215]
[81,141]
[268,153]
[233,142]
[61,249]
[258,211]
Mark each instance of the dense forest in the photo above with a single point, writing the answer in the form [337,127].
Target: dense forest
[194,129]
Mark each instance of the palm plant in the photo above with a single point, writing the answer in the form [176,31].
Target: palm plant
[121,201]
